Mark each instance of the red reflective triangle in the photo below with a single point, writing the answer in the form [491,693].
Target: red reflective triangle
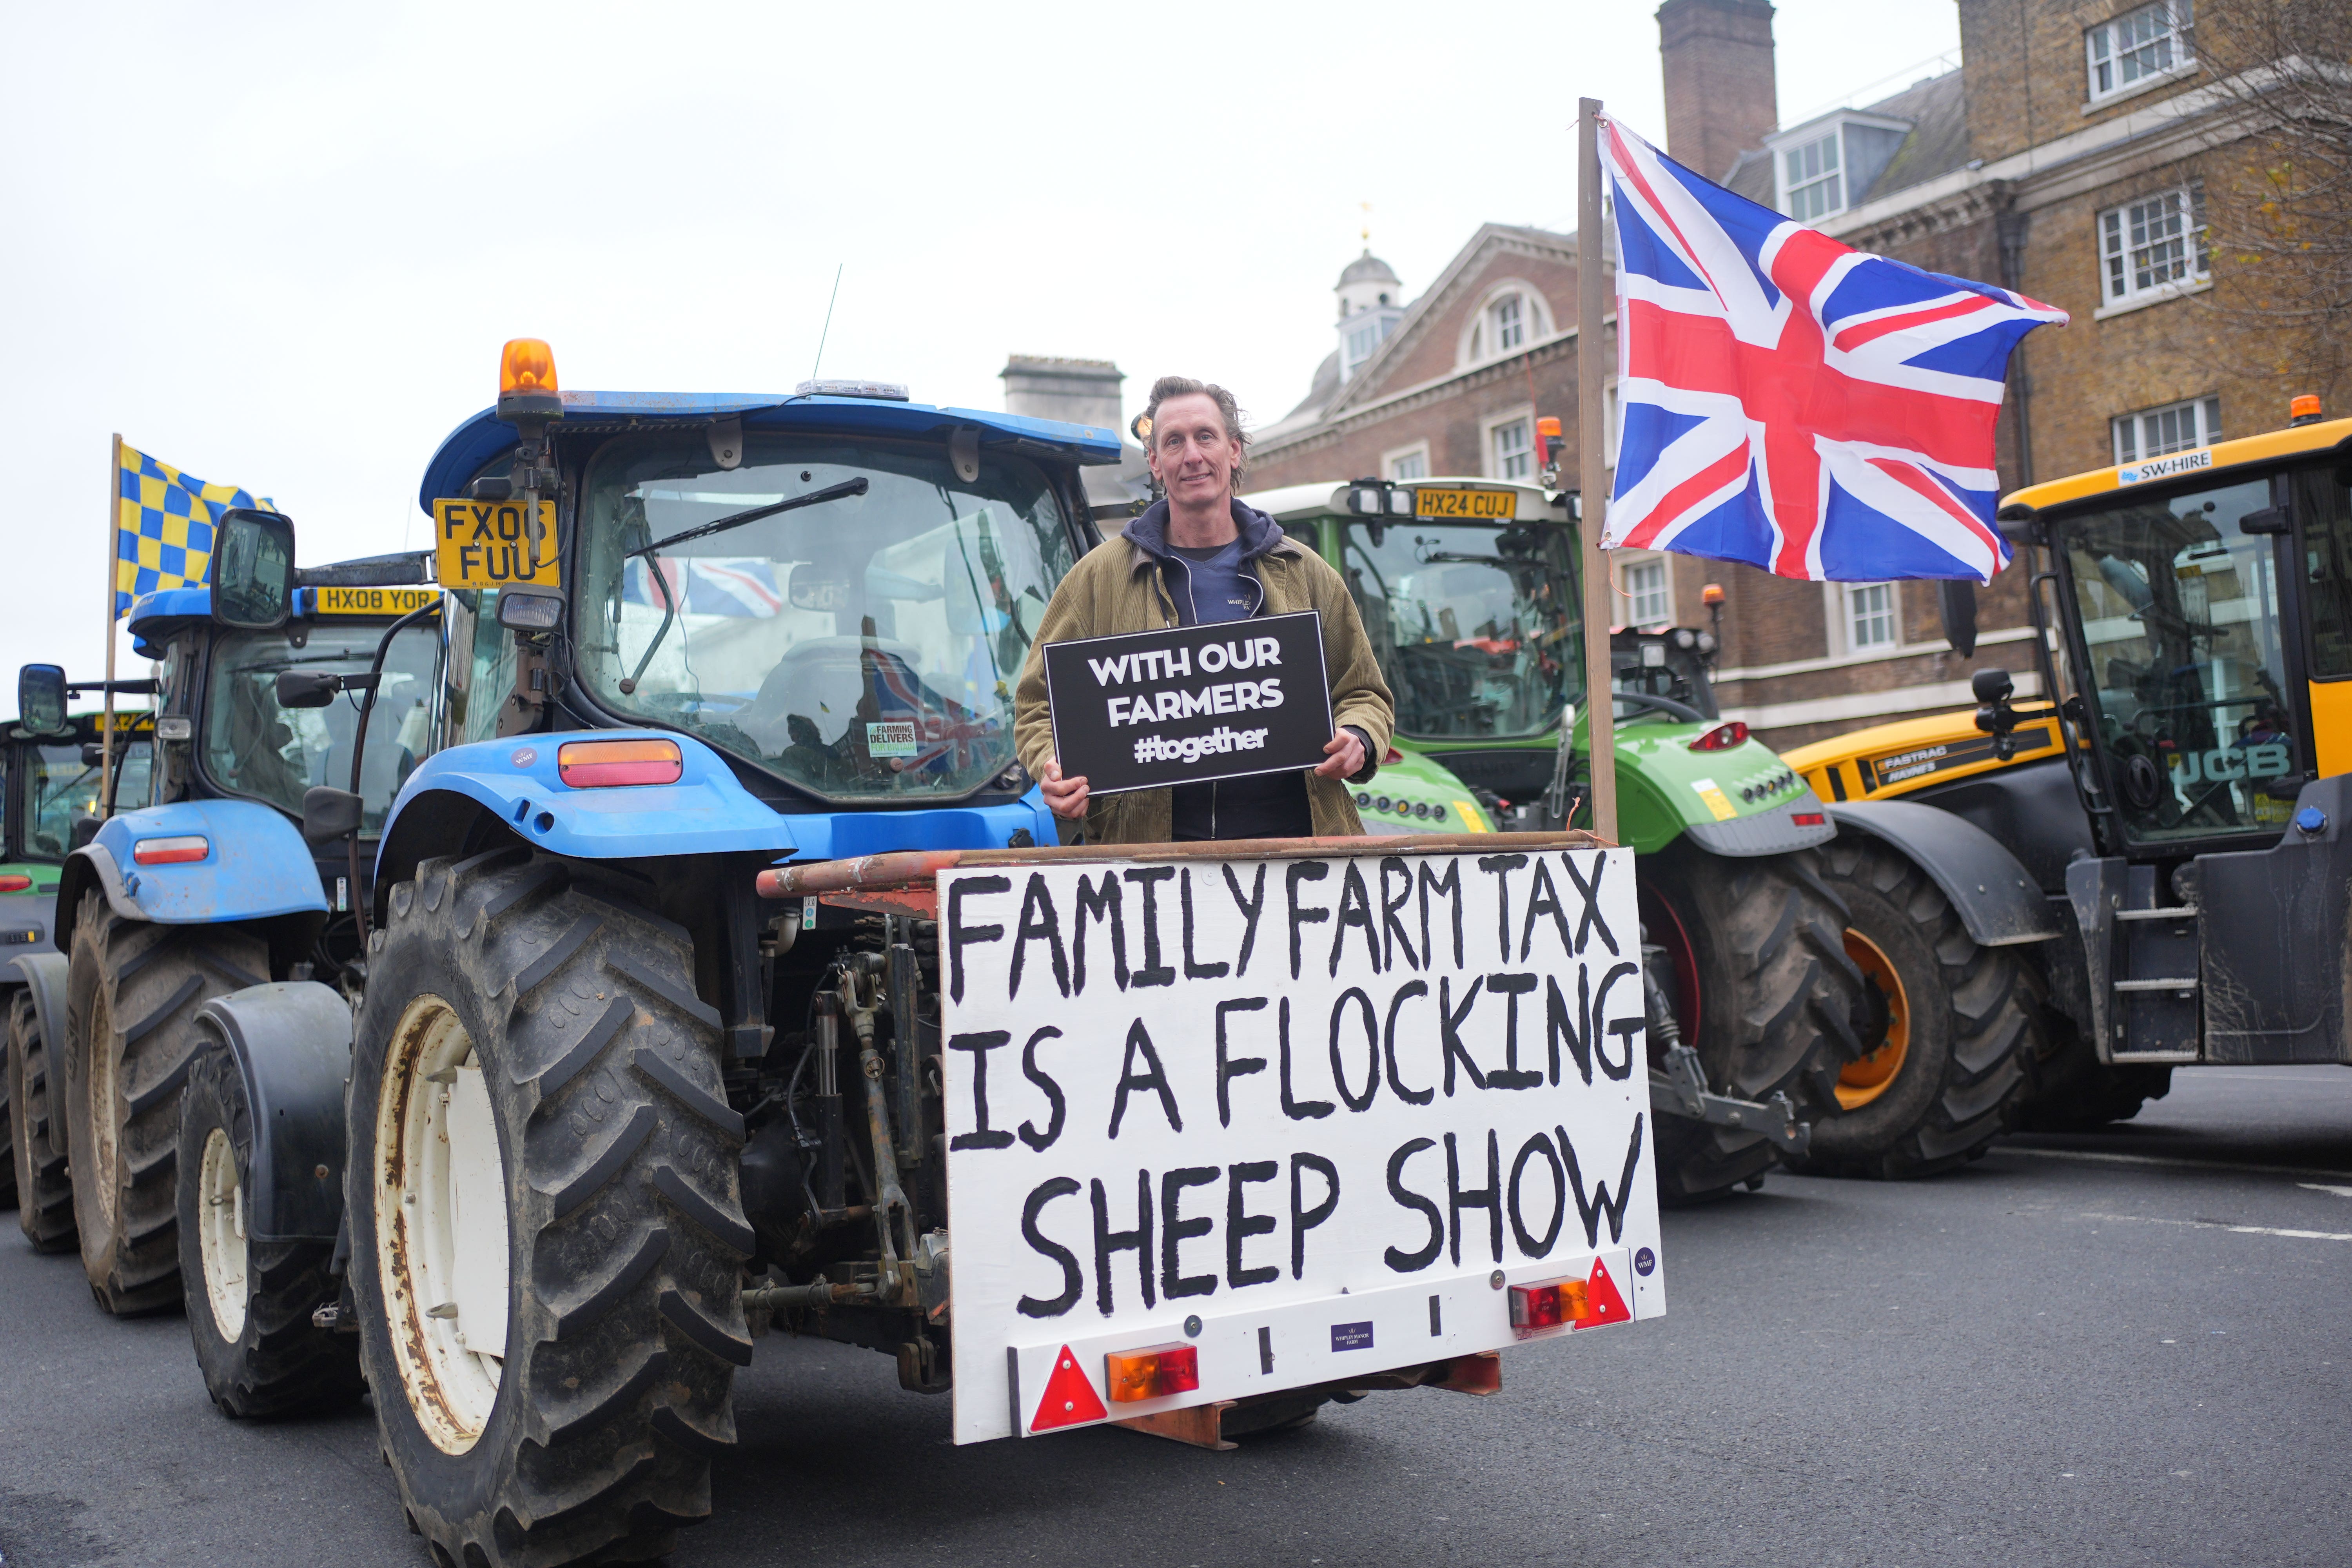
[1070,1398]
[1601,1296]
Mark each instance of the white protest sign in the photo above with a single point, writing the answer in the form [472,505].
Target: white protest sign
[1311,1118]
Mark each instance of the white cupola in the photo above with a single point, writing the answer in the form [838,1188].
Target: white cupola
[1371,303]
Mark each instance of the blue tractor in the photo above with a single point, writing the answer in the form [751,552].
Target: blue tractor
[596,1135]
[204,885]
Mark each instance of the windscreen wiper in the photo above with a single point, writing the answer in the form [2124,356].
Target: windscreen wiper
[857,487]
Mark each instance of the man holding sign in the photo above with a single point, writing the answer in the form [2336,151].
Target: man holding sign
[1144,707]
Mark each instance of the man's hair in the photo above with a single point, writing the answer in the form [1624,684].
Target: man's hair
[1169,386]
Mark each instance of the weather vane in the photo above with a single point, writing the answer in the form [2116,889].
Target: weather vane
[1368,224]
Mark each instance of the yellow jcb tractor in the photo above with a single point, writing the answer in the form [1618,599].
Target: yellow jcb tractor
[2178,797]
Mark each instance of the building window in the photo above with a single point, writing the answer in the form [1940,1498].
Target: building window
[2176,427]
[1412,463]
[1812,183]
[2137,46]
[2154,245]
[1869,616]
[1510,323]
[1514,450]
[1362,340]
[1649,592]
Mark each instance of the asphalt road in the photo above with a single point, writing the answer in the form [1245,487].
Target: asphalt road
[2126,1348]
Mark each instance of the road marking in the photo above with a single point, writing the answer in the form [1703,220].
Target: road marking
[2175,1163]
[2323,1187]
[2240,1229]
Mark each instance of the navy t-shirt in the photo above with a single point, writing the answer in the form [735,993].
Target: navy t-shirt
[1209,584]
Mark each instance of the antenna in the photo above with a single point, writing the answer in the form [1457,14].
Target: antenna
[827,331]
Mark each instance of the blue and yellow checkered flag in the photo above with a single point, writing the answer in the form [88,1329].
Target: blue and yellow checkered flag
[163,525]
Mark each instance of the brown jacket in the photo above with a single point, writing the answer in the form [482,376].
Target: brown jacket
[1116,588]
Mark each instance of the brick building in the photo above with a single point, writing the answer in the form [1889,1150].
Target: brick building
[2067,157]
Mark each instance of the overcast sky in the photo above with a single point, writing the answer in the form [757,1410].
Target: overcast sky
[280,246]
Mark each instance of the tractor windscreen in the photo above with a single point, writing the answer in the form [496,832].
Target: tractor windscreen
[254,748]
[1476,626]
[2184,672]
[865,647]
[60,787]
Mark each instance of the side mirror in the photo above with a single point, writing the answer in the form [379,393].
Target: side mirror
[329,814]
[1991,685]
[253,569]
[2270,520]
[92,754]
[307,687]
[1992,688]
[815,587]
[41,698]
[83,833]
[1956,601]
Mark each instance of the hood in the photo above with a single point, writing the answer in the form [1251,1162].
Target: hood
[1260,534]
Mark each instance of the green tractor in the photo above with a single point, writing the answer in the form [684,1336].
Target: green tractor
[50,765]
[1469,590]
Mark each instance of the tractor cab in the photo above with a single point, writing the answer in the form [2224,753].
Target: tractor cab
[53,792]
[2202,603]
[1674,664]
[267,714]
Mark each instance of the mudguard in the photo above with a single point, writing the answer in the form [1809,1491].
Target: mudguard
[1998,903]
[292,1045]
[707,812]
[257,866]
[44,975]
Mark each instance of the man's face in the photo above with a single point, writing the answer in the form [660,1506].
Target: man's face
[1192,455]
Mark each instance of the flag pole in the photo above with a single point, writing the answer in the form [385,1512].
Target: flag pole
[113,526]
[1592,465]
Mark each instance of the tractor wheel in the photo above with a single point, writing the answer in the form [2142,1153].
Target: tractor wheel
[8,1123]
[249,1303]
[1961,1025]
[43,1192]
[2074,1092]
[547,1245]
[1763,990]
[132,993]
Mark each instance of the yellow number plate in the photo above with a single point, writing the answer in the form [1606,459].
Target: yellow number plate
[483,544]
[375,601]
[1479,506]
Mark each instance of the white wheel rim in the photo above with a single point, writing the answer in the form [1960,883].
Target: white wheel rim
[102,1066]
[441,1225]
[220,1234]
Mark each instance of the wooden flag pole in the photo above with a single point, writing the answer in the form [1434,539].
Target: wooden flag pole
[1592,464]
[113,525]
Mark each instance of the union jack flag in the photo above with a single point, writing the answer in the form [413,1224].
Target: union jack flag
[952,735]
[1790,402]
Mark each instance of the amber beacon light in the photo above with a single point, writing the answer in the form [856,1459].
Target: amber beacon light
[602,764]
[526,366]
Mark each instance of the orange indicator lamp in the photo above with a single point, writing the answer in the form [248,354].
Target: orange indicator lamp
[602,764]
[1153,1372]
[1552,1304]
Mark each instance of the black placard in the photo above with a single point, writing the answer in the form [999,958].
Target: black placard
[1244,697]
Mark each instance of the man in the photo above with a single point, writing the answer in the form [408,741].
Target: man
[1195,557]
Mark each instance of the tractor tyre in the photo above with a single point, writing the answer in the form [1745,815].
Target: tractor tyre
[2074,1092]
[1763,989]
[7,1120]
[1961,1026]
[133,989]
[43,1192]
[541,1147]
[249,1303]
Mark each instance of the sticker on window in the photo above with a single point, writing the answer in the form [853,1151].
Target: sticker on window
[892,738]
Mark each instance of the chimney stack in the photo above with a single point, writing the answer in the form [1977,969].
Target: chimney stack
[1721,99]
[1075,391]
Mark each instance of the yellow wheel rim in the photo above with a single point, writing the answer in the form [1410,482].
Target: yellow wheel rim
[1865,1080]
